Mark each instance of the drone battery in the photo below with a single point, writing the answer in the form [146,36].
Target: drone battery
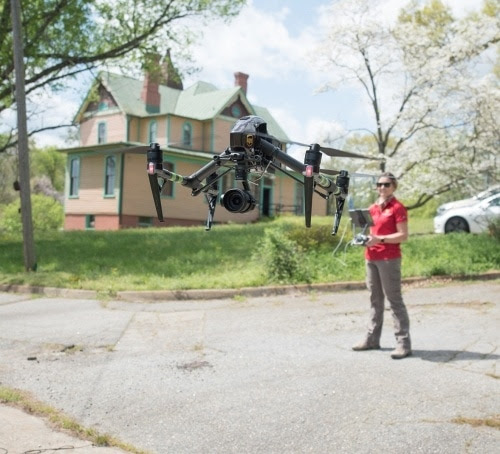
[241,140]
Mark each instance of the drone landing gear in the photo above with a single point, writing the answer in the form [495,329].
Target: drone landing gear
[212,202]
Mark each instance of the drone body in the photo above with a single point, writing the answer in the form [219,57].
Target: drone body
[252,149]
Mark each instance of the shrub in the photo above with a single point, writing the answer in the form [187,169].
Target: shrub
[283,259]
[47,214]
[313,237]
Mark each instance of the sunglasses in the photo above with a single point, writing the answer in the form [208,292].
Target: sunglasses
[385,185]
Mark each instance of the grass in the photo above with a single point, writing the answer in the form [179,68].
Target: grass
[59,420]
[493,421]
[229,256]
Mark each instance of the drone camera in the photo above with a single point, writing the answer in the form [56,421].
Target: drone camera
[238,201]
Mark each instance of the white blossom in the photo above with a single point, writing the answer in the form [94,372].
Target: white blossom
[431,91]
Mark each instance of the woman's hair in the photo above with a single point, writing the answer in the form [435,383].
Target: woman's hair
[391,177]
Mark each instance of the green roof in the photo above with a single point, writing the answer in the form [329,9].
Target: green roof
[201,101]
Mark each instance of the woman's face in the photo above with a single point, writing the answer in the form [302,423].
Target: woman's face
[385,187]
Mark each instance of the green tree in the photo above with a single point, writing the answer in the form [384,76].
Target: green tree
[48,214]
[8,172]
[48,162]
[64,38]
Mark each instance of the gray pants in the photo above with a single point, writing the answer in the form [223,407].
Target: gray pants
[383,277]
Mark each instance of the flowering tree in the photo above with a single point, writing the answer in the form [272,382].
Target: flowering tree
[429,83]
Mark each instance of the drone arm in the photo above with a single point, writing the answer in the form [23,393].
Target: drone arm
[320,179]
[194,181]
[273,152]
[167,175]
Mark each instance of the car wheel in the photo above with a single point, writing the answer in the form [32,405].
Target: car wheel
[456,224]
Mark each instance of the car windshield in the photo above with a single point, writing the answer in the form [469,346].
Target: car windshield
[487,193]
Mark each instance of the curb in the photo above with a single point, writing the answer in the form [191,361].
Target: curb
[207,294]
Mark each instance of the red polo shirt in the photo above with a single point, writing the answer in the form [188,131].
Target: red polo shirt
[384,223]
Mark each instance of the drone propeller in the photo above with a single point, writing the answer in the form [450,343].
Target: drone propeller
[354,174]
[137,149]
[334,152]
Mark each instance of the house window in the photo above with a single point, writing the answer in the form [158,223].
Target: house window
[153,128]
[109,182]
[145,221]
[101,132]
[90,222]
[168,187]
[235,111]
[74,177]
[187,133]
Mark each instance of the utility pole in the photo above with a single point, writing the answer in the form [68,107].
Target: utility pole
[22,132]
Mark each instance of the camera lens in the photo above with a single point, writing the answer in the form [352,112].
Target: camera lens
[238,201]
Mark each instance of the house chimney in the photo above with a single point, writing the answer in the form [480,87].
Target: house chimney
[241,79]
[150,93]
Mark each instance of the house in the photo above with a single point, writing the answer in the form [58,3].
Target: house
[107,186]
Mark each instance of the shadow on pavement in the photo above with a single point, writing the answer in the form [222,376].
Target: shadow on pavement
[444,356]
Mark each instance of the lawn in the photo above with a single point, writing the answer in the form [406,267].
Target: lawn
[230,256]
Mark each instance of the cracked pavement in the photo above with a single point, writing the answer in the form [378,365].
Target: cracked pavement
[270,374]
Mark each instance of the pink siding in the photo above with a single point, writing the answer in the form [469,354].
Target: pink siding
[115,129]
[135,200]
[91,198]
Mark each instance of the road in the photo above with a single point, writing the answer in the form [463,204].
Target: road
[269,374]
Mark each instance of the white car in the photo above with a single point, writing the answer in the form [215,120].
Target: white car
[473,217]
[470,201]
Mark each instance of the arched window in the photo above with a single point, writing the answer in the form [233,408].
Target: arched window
[101,132]
[74,177]
[187,134]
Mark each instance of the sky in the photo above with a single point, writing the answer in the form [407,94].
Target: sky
[270,41]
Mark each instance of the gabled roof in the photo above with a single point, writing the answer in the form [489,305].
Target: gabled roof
[201,101]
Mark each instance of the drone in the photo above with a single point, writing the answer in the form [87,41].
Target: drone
[252,149]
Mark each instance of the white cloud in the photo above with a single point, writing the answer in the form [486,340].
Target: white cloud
[255,42]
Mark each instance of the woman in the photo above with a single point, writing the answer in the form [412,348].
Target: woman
[383,268]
